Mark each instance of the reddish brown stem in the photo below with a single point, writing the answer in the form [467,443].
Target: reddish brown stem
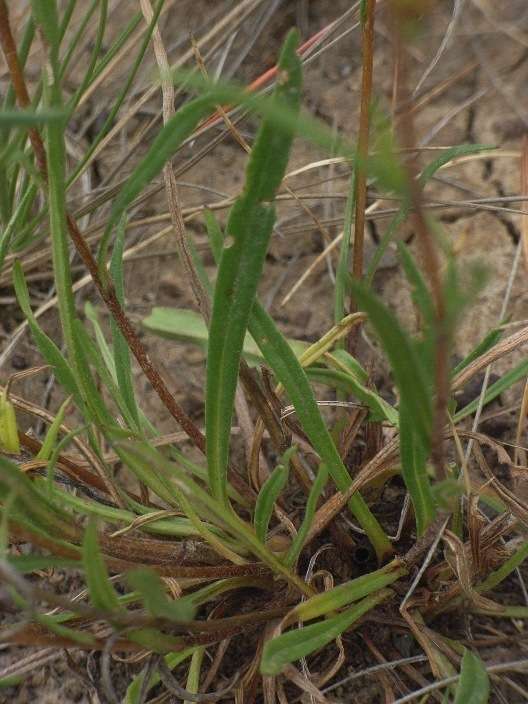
[363,138]
[360,182]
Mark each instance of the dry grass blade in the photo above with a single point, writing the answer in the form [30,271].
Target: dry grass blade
[171,186]
[305,685]
[464,568]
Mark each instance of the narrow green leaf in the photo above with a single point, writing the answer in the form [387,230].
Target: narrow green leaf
[289,372]
[448,155]
[102,593]
[46,346]
[388,236]
[406,367]
[80,637]
[343,360]
[496,389]
[97,44]
[188,326]
[30,504]
[167,141]
[309,513]
[415,415]
[473,686]
[193,674]
[346,593]
[11,681]
[155,640]
[379,408]
[483,346]
[25,564]
[53,432]
[155,599]
[384,163]
[76,36]
[299,643]
[27,118]
[500,574]
[414,470]
[269,493]
[215,234]
[249,229]
[45,14]
[9,441]
[87,352]
[420,292]
[56,197]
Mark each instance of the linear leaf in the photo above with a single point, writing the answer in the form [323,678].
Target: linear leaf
[169,138]
[346,593]
[406,367]
[415,402]
[473,686]
[420,292]
[188,326]
[25,118]
[45,15]
[379,408]
[483,346]
[494,390]
[53,432]
[30,504]
[269,493]
[154,597]
[46,346]
[299,643]
[120,347]
[25,564]
[289,372]
[414,471]
[309,513]
[249,228]
[102,593]
[448,155]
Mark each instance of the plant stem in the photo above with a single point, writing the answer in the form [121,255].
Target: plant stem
[430,258]
[360,180]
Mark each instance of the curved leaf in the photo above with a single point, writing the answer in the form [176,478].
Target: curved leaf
[268,494]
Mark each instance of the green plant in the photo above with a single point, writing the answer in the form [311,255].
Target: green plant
[133,512]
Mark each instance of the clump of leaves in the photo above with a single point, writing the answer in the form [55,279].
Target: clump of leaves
[196,554]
